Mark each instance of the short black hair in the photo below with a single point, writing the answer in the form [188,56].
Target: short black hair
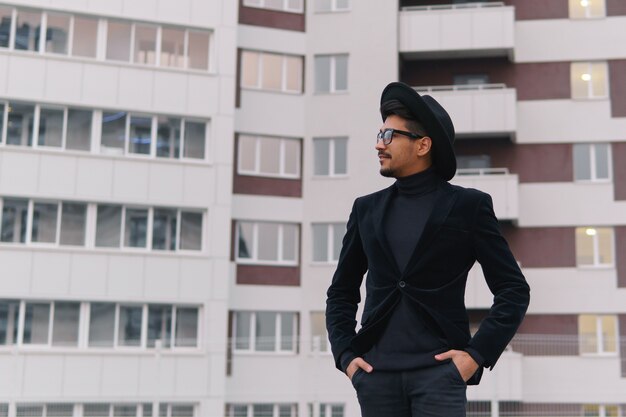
[396,107]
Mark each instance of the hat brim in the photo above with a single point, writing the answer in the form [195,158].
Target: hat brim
[429,115]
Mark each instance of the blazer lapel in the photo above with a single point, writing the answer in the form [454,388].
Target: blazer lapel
[444,200]
[378,219]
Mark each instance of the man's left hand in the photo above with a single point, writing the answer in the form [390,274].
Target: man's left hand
[466,365]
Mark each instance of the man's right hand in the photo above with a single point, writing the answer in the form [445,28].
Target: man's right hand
[356,364]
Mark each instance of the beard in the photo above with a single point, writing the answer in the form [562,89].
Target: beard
[387,172]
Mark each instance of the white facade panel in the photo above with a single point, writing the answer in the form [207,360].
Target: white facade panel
[130,180]
[27,75]
[578,40]
[279,374]
[263,112]
[477,293]
[456,29]
[577,204]
[19,173]
[567,121]
[94,178]
[57,174]
[505,382]
[88,276]
[62,82]
[161,278]
[285,209]
[20,264]
[502,187]
[135,88]
[81,375]
[263,297]
[195,278]
[51,274]
[271,40]
[120,376]
[100,85]
[126,277]
[488,109]
[43,376]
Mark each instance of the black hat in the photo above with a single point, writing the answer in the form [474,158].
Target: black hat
[435,120]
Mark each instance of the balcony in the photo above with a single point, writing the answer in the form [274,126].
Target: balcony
[478,109]
[457,30]
[497,182]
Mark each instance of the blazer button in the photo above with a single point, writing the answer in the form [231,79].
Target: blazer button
[402,284]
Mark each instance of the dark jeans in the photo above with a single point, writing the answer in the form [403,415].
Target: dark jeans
[437,391]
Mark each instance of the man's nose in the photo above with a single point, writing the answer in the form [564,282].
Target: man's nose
[379,145]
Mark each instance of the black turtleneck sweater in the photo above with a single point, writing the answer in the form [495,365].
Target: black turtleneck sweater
[409,341]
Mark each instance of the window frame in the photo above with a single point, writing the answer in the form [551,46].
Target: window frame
[596,249]
[254,259]
[333,7]
[285,8]
[278,339]
[257,157]
[599,337]
[587,11]
[593,169]
[330,242]
[333,73]
[332,155]
[590,93]
[259,73]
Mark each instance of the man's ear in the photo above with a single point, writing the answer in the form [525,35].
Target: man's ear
[424,146]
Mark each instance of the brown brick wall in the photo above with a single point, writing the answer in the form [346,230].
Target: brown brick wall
[268,275]
[533,81]
[532,163]
[539,9]
[617,83]
[618,149]
[615,7]
[560,332]
[542,247]
[271,18]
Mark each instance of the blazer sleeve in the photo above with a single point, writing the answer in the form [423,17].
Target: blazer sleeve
[506,282]
[343,295]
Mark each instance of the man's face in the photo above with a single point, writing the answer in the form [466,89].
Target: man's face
[402,156]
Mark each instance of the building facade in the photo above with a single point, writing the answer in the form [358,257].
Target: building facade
[175,178]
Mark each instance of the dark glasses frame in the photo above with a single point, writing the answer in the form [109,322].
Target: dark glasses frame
[386,136]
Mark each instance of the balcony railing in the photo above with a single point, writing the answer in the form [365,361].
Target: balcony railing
[477,5]
[482,171]
[459,87]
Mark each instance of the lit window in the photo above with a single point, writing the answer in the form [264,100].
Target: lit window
[589,80]
[319,337]
[594,246]
[586,9]
[592,162]
[267,243]
[57,33]
[327,239]
[598,334]
[332,5]
[593,410]
[268,156]
[265,331]
[27,30]
[85,38]
[273,72]
[330,156]
[331,73]
[295,6]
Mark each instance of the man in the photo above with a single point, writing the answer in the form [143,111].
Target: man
[417,240]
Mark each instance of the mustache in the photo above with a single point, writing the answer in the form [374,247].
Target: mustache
[384,154]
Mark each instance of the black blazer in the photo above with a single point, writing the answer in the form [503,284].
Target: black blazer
[461,229]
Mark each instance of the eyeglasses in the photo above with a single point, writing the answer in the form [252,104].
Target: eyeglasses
[386,135]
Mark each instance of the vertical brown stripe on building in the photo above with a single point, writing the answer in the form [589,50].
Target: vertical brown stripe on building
[620,258]
[542,247]
[617,83]
[615,8]
[229,344]
[618,149]
[539,9]
[233,236]
[533,81]
[532,163]
[274,19]
[238,80]
[268,275]
[622,348]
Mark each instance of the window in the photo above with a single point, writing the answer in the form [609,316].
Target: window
[14,220]
[85,39]
[319,337]
[268,156]
[295,6]
[327,410]
[117,410]
[327,239]
[27,30]
[64,128]
[176,410]
[47,410]
[101,324]
[9,319]
[598,334]
[173,48]
[265,331]
[169,131]
[332,5]
[594,246]
[592,162]
[6,17]
[261,410]
[274,72]
[136,228]
[589,80]
[586,9]
[473,162]
[129,325]
[65,324]
[160,322]
[57,33]
[145,44]
[592,410]
[198,50]
[471,79]
[36,324]
[118,41]
[330,156]
[268,243]
[331,73]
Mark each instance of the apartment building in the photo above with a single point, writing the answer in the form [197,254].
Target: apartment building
[115,169]
[537,92]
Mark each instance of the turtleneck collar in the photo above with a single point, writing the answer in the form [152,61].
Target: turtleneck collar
[417,184]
